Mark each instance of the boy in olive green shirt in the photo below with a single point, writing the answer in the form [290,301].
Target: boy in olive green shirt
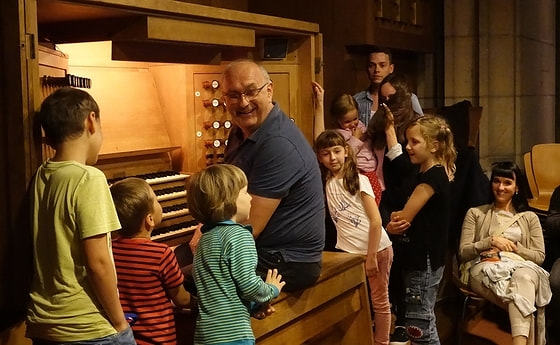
[74,296]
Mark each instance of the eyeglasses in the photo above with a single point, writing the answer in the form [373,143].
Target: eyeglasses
[249,94]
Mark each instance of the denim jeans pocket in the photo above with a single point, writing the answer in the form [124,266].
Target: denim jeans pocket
[125,337]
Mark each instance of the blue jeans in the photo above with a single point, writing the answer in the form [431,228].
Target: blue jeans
[122,338]
[240,342]
[421,288]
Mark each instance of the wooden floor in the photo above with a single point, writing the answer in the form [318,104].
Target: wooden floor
[487,327]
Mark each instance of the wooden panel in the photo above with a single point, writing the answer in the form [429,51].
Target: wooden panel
[52,58]
[172,88]
[336,307]
[293,306]
[135,165]
[21,153]
[165,29]
[285,80]
[310,326]
[131,118]
[281,82]
[204,114]
[68,10]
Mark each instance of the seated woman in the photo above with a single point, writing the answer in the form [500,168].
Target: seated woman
[502,244]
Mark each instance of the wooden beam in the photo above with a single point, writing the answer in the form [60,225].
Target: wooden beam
[176,30]
[20,149]
[208,13]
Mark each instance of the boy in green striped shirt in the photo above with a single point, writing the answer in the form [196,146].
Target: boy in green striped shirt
[226,259]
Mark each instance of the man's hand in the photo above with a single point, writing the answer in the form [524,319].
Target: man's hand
[264,311]
[193,243]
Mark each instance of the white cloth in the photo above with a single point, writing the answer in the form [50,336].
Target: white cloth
[394,151]
[497,276]
[350,218]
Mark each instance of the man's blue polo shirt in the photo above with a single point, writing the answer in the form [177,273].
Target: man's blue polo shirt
[280,164]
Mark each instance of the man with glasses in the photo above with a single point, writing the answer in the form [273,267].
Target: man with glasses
[287,208]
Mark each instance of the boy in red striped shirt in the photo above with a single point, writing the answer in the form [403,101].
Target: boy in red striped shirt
[147,272]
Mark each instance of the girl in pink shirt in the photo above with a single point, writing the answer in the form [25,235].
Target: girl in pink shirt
[345,112]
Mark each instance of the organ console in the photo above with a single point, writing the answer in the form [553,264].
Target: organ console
[214,102]
[212,124]
[177,224]
[214,84]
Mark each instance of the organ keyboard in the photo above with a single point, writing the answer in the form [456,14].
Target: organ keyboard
[177,224]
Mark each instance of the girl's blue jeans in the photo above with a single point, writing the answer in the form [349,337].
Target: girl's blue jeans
[421,288]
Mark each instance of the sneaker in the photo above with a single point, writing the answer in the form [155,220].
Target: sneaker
[399,336]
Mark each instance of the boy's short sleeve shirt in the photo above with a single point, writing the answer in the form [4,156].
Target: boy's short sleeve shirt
[70,202]
[95,211]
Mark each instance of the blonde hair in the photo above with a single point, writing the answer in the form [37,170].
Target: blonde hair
[330,138]
[434,128]
[213,192]
[133,201]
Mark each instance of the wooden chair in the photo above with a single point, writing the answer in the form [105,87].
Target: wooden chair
[531,180]
[545,160]
[468,297]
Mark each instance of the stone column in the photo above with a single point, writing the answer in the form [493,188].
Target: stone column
[500,54]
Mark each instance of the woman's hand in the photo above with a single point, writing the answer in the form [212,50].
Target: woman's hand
[318,94]
[389,116]
[371,264]
[503,244]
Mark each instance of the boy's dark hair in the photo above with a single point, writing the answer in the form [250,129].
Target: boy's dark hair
[212,193]
[378,49]
[134,201]
[510,170]
[63,113]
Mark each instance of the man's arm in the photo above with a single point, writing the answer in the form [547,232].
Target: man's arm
[261,210]
[101,274]
[180,296]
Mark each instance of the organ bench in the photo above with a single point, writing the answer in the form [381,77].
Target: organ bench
[335,310]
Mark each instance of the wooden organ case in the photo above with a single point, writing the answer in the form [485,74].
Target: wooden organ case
[158,85]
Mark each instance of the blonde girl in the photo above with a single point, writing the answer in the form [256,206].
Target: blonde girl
[430,147]
[344,109]
[353,209]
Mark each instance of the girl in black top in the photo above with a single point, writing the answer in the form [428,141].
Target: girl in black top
[430,146]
